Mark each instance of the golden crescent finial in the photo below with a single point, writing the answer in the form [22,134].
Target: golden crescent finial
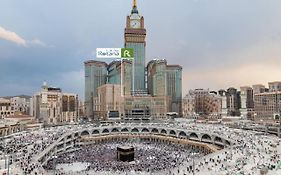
[134,3]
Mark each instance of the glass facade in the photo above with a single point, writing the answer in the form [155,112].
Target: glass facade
[95,76]
[174,87]
[139,66]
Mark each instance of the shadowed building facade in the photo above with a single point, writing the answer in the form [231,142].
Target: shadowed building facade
[95,76]
[165,80]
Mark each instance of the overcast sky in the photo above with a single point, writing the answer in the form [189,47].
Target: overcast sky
[219,43]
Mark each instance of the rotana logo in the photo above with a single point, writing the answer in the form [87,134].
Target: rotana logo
[123,53]
[127,53]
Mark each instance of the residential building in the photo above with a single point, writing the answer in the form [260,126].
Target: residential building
[6,108]
[202,102]
[247,102]
[267,105]
[11,105]
[274,86]
[233,102]
[258,88]
[52,106]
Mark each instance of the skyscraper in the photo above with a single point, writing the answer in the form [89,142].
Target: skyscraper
[135,34]
[174,87]
[95,76]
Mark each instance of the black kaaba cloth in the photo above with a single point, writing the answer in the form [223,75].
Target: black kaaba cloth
[125,153]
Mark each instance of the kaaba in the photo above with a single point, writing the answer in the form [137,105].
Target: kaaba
[125,153]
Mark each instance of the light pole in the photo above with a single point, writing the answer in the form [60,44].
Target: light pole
[193,154]
[54,164]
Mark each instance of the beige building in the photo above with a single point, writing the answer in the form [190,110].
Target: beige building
[267,105]
[258,88]
[274,86]
[202,102]
[109,99]
[6,108]
[247,102]
[111,104]
[52,106]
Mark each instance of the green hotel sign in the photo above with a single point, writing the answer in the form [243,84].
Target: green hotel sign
[127,53]
[124,53]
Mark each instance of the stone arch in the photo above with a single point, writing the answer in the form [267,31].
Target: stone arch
[124,130]
[96,131]
[193,135]
[154,130]
[163,131]
[105,131]
[135,130]
[144,130]
[218,139]
[206,137]
[114,130]
[84,133]
[172,132]
[182,134]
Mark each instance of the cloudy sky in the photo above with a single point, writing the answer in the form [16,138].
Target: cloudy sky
[219,43]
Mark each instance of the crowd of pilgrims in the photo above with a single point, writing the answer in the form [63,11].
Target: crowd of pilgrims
[251,152]
[23,146]
[149,156]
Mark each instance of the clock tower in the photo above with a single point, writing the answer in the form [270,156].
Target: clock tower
[135,34]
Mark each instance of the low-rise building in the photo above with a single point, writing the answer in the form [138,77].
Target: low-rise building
[6,108]
[202,102]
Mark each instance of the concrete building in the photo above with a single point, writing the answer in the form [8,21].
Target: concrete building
[233,102]
[111,104]
[52,106]
[188,106]
[165,80]
[202,102]
[224,109]
[13,104]
[157,77]
[258,88]
[108,102]
[267,105]
[247,102]
[174,87]
[147,107]
[274,86]
[115,69]
[6,108]
[95,76]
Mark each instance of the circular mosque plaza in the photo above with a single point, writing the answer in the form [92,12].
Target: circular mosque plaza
[176,148]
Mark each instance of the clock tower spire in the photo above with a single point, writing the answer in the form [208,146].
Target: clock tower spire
[135,35]
[135,9]
[134,3]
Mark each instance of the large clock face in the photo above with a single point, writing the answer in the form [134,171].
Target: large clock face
[135,24]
